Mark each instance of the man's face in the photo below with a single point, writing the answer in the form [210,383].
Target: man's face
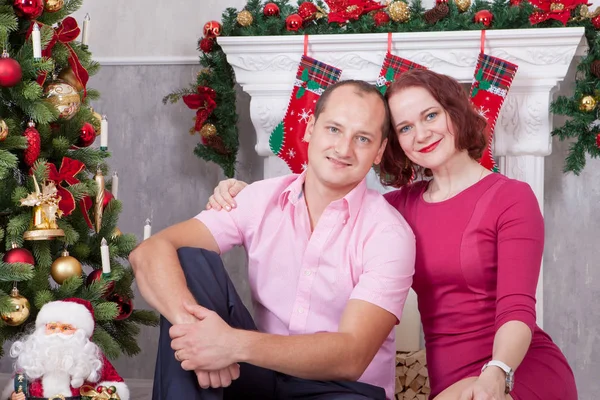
[57,327]
[346,140]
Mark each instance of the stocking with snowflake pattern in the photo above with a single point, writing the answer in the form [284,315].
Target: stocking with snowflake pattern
[287,139]
[493,77]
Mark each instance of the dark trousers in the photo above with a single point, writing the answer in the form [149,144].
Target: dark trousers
[211,286]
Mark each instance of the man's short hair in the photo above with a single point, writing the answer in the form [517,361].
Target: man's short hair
[362,88]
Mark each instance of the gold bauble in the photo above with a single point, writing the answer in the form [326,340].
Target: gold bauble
[99,118]
[69,77]
[64,98]
[244,18]
[587,103]
[462,5]
[116,233]
[3,130]
[399,11]
[208,131]
[65,267]
[54,5]
[21,309]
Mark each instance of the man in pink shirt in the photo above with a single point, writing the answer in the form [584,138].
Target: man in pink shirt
[330,264]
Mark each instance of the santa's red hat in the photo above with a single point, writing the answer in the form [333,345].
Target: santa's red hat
[73,311]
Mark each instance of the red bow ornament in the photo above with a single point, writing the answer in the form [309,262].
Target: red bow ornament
[559,10]
[204,101]
[69,168]
[66,32]
[342,11]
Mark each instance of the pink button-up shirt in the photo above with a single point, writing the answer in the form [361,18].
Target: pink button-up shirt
[361,248]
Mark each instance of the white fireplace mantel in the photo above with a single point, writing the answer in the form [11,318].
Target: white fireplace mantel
[265,68]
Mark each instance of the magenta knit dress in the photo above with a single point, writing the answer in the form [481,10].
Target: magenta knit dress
[477,266]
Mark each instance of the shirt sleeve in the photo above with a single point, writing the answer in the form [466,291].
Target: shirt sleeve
[520,248]
[230,228]
[389,266]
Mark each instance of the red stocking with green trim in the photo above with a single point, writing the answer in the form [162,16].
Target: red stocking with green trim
[493,77]
[287,139]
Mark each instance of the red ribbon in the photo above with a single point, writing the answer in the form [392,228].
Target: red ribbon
[204,101]
[69,168]
[559,10]
[342,11]
[86,203]
[66,32]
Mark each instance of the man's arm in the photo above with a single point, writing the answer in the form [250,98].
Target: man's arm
[158,271]
[343,355]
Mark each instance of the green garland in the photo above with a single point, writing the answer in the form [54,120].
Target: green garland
[219,76]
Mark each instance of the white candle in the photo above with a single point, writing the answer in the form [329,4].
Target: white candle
[115,185]
[37,41]
[147,229]
[105,255]
[85,33]
[104,133]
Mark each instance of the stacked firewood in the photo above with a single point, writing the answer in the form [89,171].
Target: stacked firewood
[412,380]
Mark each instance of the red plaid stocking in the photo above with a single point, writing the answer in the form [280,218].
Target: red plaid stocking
[393,66]
[493,77]
[287,139]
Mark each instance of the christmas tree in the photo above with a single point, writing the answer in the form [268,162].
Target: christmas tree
[56,211]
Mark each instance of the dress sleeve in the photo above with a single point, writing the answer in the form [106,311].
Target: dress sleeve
[520,230]
[389,266]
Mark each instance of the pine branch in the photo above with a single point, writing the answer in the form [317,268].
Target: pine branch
[15,272]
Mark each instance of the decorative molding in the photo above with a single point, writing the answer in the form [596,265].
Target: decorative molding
[157,60]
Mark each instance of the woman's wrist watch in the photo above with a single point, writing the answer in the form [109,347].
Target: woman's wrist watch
[510,374]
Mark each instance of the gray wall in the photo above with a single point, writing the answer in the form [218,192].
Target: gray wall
[159,174]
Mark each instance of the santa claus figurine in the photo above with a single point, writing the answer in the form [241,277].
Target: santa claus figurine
[58,358]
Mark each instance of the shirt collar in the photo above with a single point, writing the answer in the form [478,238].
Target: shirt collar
[352,202]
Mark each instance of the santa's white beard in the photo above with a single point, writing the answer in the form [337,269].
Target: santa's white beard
[71,357]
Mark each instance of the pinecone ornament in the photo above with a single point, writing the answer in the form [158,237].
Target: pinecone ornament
[595,68]
[437,13]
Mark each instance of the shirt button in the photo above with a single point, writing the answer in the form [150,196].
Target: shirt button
[307,272]
[300,310]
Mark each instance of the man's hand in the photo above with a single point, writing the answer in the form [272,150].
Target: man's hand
[224,193]
[208,344]
[217,379]
[17,396]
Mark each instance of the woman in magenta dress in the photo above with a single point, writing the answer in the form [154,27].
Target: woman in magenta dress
[480,239]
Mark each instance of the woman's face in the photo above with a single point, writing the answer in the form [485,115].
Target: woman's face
[423,128]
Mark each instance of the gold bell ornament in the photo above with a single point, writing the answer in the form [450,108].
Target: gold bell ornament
[45,211]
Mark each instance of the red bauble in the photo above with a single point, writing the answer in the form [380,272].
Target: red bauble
[206,44]
[596,22]
[598,140]
[95,276]
[18,255]
[32,152]
[212,29]
[441,2]
[10,71]
[271,10]
[125,306]
[293,22]
[307,11]
[87,135]
[484,16]
[515,3]
[29,9]
[381,18]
